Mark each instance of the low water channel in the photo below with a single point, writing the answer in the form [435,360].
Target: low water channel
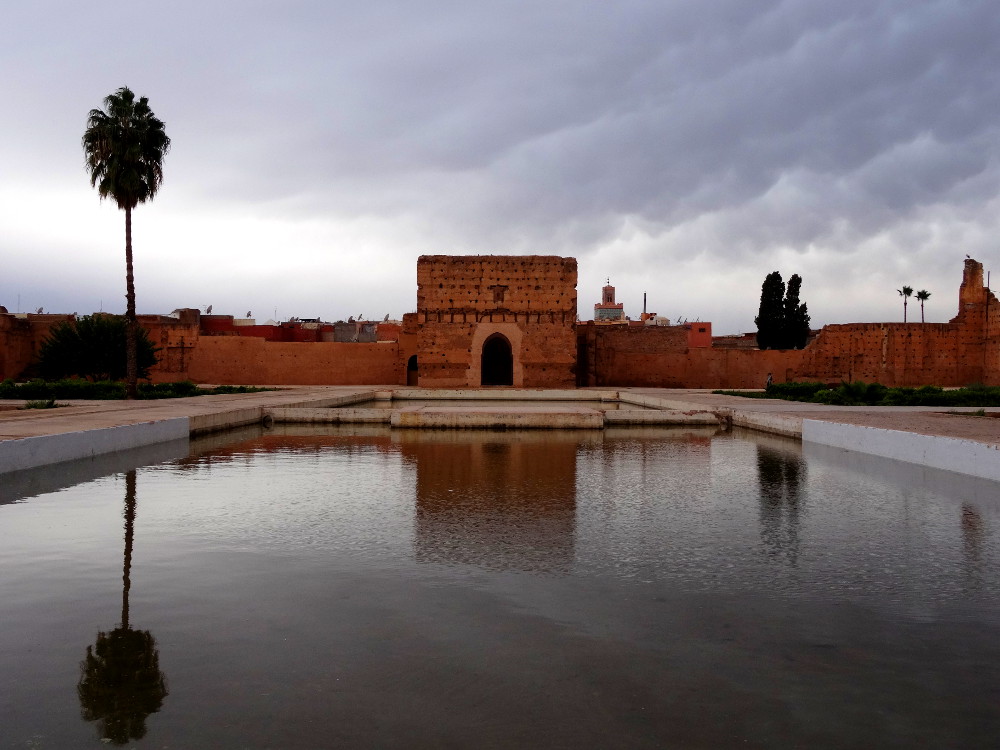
[361,587]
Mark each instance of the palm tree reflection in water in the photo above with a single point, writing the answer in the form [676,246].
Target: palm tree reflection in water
[780,475]
[120,678]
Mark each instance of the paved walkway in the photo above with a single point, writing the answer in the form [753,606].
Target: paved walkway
[95,415]
[958,441]
[90,415]
[924,420]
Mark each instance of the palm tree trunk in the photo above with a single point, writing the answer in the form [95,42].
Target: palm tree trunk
[131,377]
[921,312]
[904,308]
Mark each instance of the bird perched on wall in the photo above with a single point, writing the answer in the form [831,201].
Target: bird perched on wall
[248,313]
[350,319]
[208,310]
[386,318]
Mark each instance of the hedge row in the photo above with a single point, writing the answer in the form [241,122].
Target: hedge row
[875,394]
[34,390]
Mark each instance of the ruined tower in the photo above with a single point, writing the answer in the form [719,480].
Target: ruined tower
[494,320]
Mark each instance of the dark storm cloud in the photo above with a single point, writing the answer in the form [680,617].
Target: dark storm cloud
[527,117]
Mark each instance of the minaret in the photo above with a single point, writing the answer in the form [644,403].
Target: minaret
[608,309]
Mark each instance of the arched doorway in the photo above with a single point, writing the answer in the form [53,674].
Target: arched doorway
[412,377]
[497,361]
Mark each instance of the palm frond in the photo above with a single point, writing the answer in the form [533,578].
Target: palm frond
[124,145]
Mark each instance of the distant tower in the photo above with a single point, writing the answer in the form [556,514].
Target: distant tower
[608,309]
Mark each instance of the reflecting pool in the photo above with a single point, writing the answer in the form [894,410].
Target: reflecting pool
[361,587]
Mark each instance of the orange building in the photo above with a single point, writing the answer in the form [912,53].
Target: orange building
[511,320]
[495,320]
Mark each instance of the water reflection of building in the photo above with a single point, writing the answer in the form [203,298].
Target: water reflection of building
[780,473]
[496,500]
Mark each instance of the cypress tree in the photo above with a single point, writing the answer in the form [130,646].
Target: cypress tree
[782,321]
[771,315]
[795,325]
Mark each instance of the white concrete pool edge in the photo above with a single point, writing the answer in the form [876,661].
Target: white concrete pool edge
[947,453]
[32,452]
[960,455]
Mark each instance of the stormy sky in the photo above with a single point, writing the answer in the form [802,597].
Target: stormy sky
[683,149]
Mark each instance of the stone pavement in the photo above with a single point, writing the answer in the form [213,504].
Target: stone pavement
[90,415]
[95,415]
[978,437]
[939,421]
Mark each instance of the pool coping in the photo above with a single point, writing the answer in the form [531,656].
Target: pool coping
[28,440]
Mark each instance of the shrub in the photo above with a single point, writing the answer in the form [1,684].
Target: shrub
[93,347]
[860,393]
[106,390]
[44,404]
[795,391]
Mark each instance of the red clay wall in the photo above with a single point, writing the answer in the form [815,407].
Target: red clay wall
[235,360]
[16,346]
[632,355]
[460,305]
[187,354]
[20,339]
[964,351]
[903,354]
[463,300]
[699,334]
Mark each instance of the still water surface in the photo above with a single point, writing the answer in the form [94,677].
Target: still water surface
[362,588]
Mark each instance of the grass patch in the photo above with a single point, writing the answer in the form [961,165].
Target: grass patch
[42,404]
[106,390]
[860,393]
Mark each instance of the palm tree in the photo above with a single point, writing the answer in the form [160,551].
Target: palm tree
[124,145]
[905,293]
[923,295]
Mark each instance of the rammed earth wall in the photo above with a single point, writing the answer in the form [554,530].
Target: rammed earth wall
[463,301]
[965,350]
[530,301]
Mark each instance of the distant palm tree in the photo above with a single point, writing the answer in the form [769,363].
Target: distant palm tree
[124,145]
[923,295]
[905,293]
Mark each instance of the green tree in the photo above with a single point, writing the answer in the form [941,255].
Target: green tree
[923,295]
[124,145]
[782,321]
[93,347]
[906,292]
[770,315]
[795,328]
